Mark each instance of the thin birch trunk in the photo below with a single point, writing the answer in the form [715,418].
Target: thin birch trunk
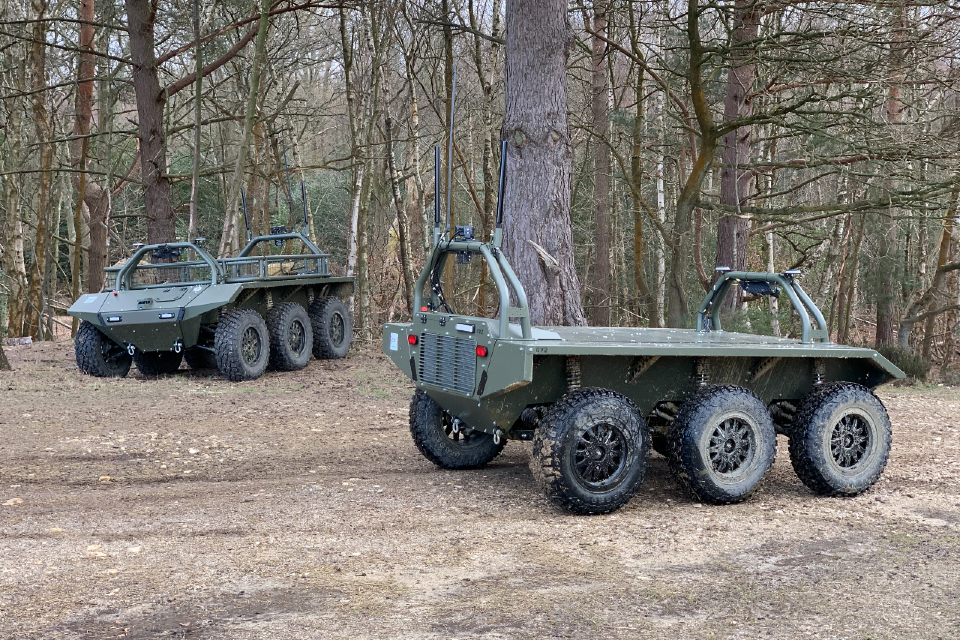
[228,241]
[197,104]
[41,121]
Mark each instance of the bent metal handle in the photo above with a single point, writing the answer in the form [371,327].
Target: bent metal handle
[798,298]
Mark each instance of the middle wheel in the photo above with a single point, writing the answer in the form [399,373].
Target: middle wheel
[291,338]
[590,451]
[722,443]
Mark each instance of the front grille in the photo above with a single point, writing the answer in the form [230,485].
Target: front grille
[448,362]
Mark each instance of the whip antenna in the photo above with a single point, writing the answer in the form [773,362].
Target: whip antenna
[453,94]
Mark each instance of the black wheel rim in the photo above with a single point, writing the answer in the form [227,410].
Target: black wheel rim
[297,337]
[250,346]
[337,329]
[850,440]
[731,446]
[600,456]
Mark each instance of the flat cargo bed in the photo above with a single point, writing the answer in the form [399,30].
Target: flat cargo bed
[640,341]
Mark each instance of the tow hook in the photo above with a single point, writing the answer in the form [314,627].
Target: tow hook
[131,349]
[177,346]
[497,436]
[456,425]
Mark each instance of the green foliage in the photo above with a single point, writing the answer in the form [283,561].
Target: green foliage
[912,364]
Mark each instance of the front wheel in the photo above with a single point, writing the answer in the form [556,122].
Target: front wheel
[157,363]
[722,443]
[590,452]
[447,442]
[242,345]
[840,439]
[99,356]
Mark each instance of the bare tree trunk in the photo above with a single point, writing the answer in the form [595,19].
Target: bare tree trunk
[228,241]
[943,257]
[14,264]
[600,287]
[141,15]
[41,121]
[678,307]
[4,363]
[539,239]
[402,228]
[197,96]
[93,196]
[733,232]
[894,107]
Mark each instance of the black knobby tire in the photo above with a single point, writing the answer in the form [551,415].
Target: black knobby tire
[432,429]
[242,345]
[291,336]
[590,451]
[332,328]
[157,363]
[197,358]
[722,443]
[99,356]
[840,439]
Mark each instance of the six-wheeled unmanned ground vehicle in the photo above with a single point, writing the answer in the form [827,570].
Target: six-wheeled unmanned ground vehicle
[594,400]
[238,314]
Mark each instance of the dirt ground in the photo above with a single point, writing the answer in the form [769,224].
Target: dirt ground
[297,506]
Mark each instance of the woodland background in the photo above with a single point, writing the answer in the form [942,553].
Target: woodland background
[759,135]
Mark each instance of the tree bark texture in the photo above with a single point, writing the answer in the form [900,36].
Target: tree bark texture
[402,227]
[539,157]
[733,232]
[228,242]
[4,363]
[13,260]
[894,107]
[141,15]
[41,122]
[94,196]
[678,308]
[600,287]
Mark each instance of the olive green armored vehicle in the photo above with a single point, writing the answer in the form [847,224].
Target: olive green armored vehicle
[595,400]
[175,302]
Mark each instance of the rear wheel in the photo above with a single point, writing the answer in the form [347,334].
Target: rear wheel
[722,443]
[447,442]
[99,356]
[591,450]
[242,345]
[291,337]
[840,439]
[332,329]
[157,363]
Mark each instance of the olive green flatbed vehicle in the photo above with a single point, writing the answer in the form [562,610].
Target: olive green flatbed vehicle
[596,400]
[239,314]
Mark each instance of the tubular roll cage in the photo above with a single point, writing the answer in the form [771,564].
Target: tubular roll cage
[801,302]
[500,270]
[218,267]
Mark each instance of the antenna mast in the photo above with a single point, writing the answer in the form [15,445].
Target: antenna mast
[453,94]
[436,195]
[498,231]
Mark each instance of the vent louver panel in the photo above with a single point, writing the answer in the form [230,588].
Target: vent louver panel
[448,362]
